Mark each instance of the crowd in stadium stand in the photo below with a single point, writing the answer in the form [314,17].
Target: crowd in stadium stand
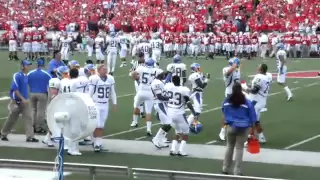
[163,15]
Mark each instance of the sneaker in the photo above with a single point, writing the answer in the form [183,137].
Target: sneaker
[32,140]
[134,124]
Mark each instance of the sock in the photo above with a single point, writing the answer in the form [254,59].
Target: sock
[95,142]
[47,137]
[182,145]
[288,91]
[190,119]
[135,118]
[149,124]
[109,65]
[174,145]
[159,134]
[223,130]
[261,135]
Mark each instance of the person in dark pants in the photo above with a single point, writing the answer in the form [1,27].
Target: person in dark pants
[19,104]
[38,80]
[240,117]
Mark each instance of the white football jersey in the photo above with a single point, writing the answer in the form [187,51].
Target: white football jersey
[157,87]
[65,85]
[176,96]
[81,72]
[100,90]
[193,77]
[123,42]
[156,44]
[280,53]
[112,44]
[195,40]
[65,42]
[263,82]
[230,79]
[54,83]
[144,47]
[146,76]
[80,84]
[176,68]
[98,42]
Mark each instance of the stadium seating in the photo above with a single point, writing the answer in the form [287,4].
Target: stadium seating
[172,15]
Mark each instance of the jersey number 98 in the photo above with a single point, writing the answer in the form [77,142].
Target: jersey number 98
[103,92]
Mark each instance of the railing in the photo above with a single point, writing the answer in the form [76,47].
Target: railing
[123,171]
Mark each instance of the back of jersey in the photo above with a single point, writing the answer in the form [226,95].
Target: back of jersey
[157,87]
[262,81]
[79,84]
[112,44]
[176,94]
[65,85]
[146,76]
[156,44]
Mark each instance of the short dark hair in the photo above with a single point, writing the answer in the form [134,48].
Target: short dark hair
[237,97]
[264,68]
[89,61]
[176,80]
[55,52]
[74,73]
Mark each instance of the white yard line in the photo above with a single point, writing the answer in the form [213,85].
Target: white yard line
[206,111]
[211,142]
[3,118]
[302,142]
[139,138]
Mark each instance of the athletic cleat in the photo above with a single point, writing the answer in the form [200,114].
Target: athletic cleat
[156,143]
[149,133]
[172,153]
[182,154]
[74,153]
[97,148]
[289,98]
[222,136]
[48,143]
[134,125]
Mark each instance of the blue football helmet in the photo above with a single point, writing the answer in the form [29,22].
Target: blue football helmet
[177,58]
[233,61]
[73,64]
[196,128]
[195,67]
[112,34]
[280,46]
[89,68]
[61,70]
[149,62]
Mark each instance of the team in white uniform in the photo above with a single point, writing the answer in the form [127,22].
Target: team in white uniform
[99,48]
[65,47]
[144,75]
[281,56]
[156,46]
[177,68]
[101,89]
[112,49]
[231,74]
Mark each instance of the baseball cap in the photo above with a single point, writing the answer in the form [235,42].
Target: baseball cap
[25,63]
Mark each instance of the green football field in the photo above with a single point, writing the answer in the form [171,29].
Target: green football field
[287,125]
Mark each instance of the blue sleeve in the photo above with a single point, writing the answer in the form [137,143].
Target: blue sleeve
[51,67]
[168,78]
[252,113]
[15,82]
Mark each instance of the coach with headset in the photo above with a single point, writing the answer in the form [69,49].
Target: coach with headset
[19,104]
[38,81]
[240,117]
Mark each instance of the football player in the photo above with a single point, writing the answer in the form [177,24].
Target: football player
[258,94]
[144,75]
[54,90]
[135,65]
[145,47]
[78,84]
[82,69]
[112,48]
[177,68]
[101,88]
[178,99]
[156,46]
[231,74]
[160,106]
[282,69]
[124,45]
[99,48]
[198,84]
[65,46]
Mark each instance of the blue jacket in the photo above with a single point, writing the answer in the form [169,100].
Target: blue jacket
[239,117]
